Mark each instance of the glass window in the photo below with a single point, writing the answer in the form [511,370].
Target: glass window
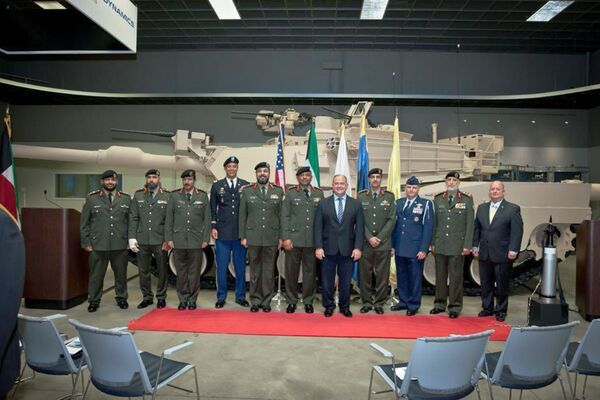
[79,185]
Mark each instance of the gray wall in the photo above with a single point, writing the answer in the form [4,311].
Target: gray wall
[595,67]
[302,71]
[594,147]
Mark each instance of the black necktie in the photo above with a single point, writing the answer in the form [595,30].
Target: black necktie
[189,197]
[152,194]
[110,196]
[450,198]
[306,193]
[375,196]
[263,190]
[231,185]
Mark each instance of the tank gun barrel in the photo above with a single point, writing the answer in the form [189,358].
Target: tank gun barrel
[150,133]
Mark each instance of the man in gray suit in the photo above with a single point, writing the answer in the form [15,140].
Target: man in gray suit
[339,233]
[496,241]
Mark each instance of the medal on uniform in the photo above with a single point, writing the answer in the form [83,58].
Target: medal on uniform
[385,203]
[275,196]
[416,219]
[460,205]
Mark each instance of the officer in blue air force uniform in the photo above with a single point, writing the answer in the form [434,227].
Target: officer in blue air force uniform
[225,205]
[411,239]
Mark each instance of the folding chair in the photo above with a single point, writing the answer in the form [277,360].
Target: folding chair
[583,358]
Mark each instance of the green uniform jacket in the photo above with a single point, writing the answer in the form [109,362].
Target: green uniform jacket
[380,216]
[260,216]
[147,216]
[104,225]
[188,222]
[453,224]
[297,215]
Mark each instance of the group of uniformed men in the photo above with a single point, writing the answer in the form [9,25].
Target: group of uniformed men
[255,220]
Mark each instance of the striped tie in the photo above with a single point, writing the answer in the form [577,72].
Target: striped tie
[340,210]
[493,212]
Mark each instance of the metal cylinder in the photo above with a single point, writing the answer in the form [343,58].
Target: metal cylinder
[548,286]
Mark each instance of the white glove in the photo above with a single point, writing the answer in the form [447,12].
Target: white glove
[133,245]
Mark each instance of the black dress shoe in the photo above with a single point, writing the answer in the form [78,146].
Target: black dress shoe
[347,313]
[123,305]
[93,307]
[365,309]
[192,305]
[410,313]
[182,306]
[453,314]
[436,311]
[254,308]
[397,307]
[242,302]
[379,310]
[161,303]
[290,308]
[500,317]
[266,308]
[485,313]
[219,303]
[328,312]
[309,309]
[145,303]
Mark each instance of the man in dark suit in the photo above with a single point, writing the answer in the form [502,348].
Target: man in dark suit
[339,232]
[12,276]
[496,241]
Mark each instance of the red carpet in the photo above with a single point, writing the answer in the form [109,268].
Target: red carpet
[391,326]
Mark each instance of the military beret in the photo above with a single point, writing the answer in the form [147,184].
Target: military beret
[108,174]
[188,173]
[412,181]
[232,159]
[262,164]
[453,174]
[153,171]
[375,171]
[302,170]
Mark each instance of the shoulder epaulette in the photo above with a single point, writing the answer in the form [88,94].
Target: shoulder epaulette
[467,194]
[245,186]
[438,194]
[317,188]
[198,190]
[93,192]
[364,191]
[174,190]
[140,190]
[126,194]
[290,187]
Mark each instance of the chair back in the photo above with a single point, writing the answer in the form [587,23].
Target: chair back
[534,353]
[113,360]
[45,350]
[447,364]
[587,355]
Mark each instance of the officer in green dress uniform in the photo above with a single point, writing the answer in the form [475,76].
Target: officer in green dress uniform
[452,240]
[147,216]
[103,231]
[297,215]
[187,232]
[379,209]
[259,230]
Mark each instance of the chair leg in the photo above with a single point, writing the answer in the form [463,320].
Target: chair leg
[569,382]
[477,390]
[575,387]
[521,394]
[196,381]
[18,382]
[562,387]
[584,385]
[509,394]
[370,385]
[87,386]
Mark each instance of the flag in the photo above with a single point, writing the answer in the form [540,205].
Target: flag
[393,179]
[312,156]
[363,157]
[280,165]
[341,166]
[8,191]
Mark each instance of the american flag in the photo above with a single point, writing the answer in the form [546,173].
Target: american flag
[279,167]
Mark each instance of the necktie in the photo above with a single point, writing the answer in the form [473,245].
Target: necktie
[407,205]
[189,197]
[231,186]
[306,193]
[110,196]
[152,194]
[493,210]
[263,190]
[374,196]
[450,198]
[340,209]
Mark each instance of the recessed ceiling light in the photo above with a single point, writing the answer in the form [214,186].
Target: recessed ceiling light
[566,122]
[548,11]
[498,121]
[225,9]
[533,121]
[373,9]
[50,5]
[464,120]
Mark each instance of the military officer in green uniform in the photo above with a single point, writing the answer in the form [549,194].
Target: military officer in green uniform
[379,209]
[103,231]
[147,216]
[259,230]
[452,240]
[187,232]
[297,215]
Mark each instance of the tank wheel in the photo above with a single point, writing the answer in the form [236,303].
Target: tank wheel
[207,263]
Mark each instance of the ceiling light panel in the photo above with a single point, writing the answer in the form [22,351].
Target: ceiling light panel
[548,11]
[225,9]
[373,9]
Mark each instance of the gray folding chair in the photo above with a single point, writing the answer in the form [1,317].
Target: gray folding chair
[46,352]
[439,368]
[583,358]
[117,367]
[532,358]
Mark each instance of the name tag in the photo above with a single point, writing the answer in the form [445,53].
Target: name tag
[252,197]
[162,202]
[385,203]
[365,203]
[96,206]
[124,206]
[140,201]
[316,199]
[198,202]
[461,205]
[275,196]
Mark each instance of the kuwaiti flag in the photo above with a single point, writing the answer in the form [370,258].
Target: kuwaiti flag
[363,157]
[341,166]
[8,191]
[312,156]
[280,164]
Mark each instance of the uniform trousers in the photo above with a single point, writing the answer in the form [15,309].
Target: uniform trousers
[98,261]
[374,263]
[343,266]
[187,265]
[449,291]
[499,274]
[409,278]
[144,258]
[225,249]
[262,261]
[294,258]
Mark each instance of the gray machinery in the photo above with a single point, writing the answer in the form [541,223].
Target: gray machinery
[550,307]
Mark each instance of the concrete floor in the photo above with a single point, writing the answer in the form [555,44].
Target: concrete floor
[265,367]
